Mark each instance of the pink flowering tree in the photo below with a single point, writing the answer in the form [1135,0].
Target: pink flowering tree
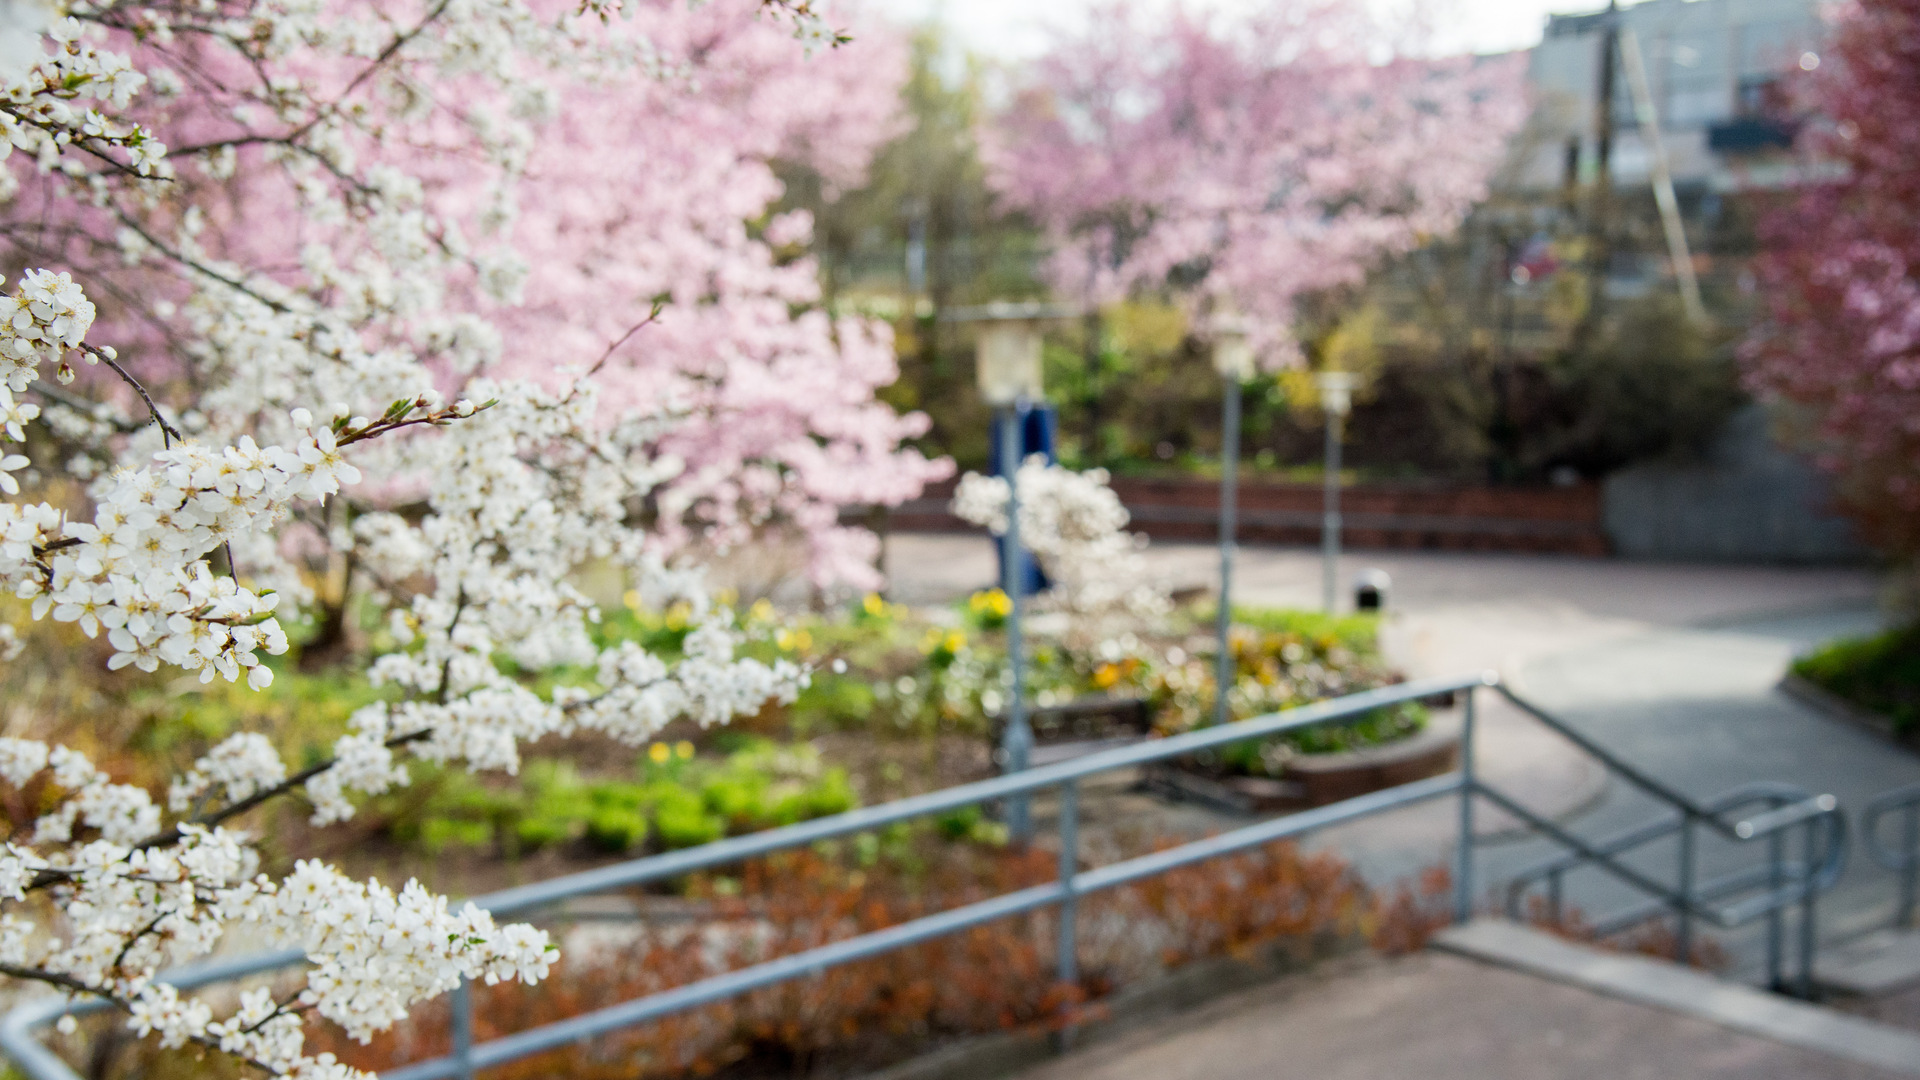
[629,185]
[1243,161]
[1839,345]
[782,424]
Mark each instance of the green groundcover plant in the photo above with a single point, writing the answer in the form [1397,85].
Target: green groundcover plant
[1880,673]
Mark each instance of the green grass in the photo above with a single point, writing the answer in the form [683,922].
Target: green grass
[1879,673]
[1360,634]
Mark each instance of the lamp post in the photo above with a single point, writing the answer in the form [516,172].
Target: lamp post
[1336,398]
[1233,359]
[1008,370]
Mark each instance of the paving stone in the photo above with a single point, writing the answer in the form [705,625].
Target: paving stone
[1440,1017]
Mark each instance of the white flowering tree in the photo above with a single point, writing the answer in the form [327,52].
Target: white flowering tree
[1076,527]
[294,383]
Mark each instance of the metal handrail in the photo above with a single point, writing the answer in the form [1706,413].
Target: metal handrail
[17,1029]
[1784,883]
[1904,860]
[1706,811]
[1796,802]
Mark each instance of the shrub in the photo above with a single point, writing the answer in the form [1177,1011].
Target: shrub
[861,1016]
[1880,673]
[1656,938]
[683,820]
[617,818]
[681,800]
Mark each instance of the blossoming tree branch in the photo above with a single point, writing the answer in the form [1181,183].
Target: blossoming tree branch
[315,323]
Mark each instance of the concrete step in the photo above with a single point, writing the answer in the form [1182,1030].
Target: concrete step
[1429,1016]
[1657,983]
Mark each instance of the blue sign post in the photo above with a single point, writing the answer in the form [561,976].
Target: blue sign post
[1036,430]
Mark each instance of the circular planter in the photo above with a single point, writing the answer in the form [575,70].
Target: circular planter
[1319,779]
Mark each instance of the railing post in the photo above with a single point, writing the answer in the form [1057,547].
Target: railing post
[1683,899]
[1330,518]
[1807,942]
[1066,955]
[1463,856]
[1017,737]
[1223,679]
[462,1005]
[1909,860]
[1776,916]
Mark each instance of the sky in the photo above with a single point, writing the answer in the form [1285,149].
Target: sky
[1015,29]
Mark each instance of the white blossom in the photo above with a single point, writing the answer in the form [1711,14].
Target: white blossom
[1076,527]
[301,391]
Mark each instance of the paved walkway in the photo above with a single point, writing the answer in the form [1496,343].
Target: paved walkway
[1437,1017]
[1672,666]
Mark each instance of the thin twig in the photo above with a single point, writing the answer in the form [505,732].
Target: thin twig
[173,835]
[446,668]
[54,978]
[349,436]
[69,983]
[198,267]
[658,307]
[168,433]
[87,144]
[84,408]
[289,1007]
[126,948]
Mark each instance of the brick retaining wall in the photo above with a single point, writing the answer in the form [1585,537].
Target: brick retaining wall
[1557,520]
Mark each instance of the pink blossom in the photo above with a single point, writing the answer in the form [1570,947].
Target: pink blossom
[1839,342]
[1246,160]
[648,179]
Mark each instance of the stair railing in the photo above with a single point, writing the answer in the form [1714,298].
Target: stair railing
[1767,890]
[1905,858]
[1790,882]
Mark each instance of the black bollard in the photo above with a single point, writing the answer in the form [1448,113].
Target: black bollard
[1370,589]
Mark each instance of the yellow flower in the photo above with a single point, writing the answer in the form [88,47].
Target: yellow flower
[994,601]
[802,640]
[677,615]
[930,640]
[1106,675]
[874,605]
[955,641]
[728,597]
[683,749]
[761,611]
[631,599]
[658,753]
[784,639]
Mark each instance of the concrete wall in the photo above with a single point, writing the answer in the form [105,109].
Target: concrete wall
[1749,500]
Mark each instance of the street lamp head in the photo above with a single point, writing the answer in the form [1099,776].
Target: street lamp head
[1232,349]
[1007,358]
[1336,391]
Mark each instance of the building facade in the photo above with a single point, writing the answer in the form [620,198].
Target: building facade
[1714,71]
